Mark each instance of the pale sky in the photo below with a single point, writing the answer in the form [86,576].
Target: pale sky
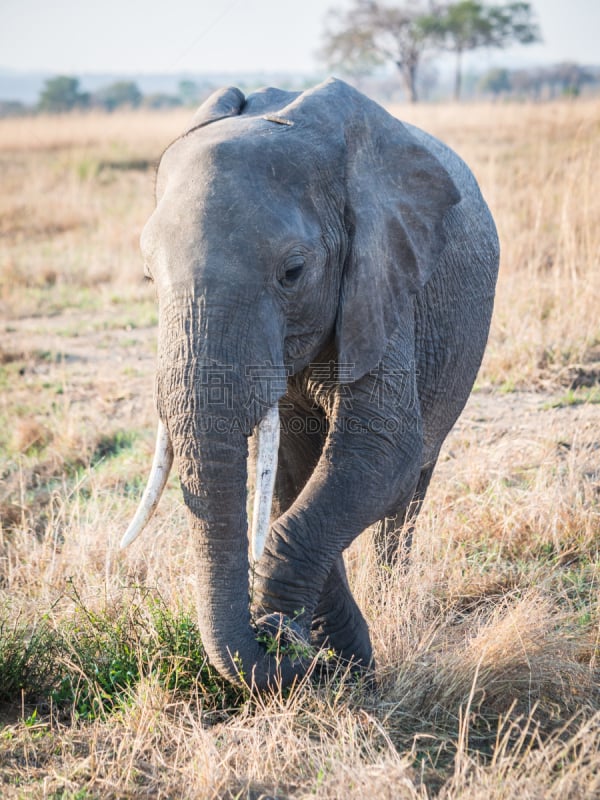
[203,36]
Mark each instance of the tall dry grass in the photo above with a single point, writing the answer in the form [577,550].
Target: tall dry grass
[487,645]
[76,192]
[536,165]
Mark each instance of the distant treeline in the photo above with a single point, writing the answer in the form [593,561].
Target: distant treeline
[541,83]
[62,93]
[534,84]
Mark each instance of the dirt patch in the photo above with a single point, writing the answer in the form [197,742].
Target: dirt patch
[75,339]
[522,428]
[100,377]
[95,357]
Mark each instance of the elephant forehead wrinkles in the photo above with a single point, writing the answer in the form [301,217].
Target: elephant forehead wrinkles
[234,216]
[285,159]
[241,228]
[238,206]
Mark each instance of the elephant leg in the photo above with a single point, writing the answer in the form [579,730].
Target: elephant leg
[394,533]
[337,621]
[302,438]
[371,459]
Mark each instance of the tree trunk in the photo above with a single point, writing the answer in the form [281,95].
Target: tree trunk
[409,78]
[458,76]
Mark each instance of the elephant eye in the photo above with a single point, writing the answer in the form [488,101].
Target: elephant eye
[292,271]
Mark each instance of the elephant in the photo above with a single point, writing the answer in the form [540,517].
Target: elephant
[325,278]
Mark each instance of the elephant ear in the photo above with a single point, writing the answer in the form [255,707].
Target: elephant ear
[397,195]
[227,102]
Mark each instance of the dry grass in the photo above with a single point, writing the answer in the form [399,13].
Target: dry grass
[536,165]
[76,193]
[487,645]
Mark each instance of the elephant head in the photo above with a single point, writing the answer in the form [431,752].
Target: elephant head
[285,223]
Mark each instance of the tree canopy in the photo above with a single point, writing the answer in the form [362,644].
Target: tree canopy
[120,93]
[558,80]
[469,25]
[370,33]
[62,94]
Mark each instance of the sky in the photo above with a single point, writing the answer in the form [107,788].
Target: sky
[234,36]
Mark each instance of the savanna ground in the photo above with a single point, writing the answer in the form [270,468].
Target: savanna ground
[488,645]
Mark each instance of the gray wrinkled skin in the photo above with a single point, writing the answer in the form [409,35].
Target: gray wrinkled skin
[310,249]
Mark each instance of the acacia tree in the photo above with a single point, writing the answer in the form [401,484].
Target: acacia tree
[371,33]
[469,25]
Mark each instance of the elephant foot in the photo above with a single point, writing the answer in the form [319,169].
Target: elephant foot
[353,662]
[339,626]
[350,648]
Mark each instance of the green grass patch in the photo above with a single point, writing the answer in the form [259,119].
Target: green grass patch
[89,662]
[576,397]
[108,652]
[8,374]
[508,386]
[131,316]
[28,657]
[34,471]
[53,300]
[110,445]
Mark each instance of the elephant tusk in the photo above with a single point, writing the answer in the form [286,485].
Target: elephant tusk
[159,473]
[266,468]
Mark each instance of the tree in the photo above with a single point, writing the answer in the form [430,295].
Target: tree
[496,81]
[13,108]
[570,77]
[160,100]
[189,92]
[62,94]
[371,33]
[469,25]
[121,93]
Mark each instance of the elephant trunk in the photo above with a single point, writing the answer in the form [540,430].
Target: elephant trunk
[210,401]
[214,490]
[221,544]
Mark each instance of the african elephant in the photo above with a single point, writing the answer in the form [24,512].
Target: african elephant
[325,277]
